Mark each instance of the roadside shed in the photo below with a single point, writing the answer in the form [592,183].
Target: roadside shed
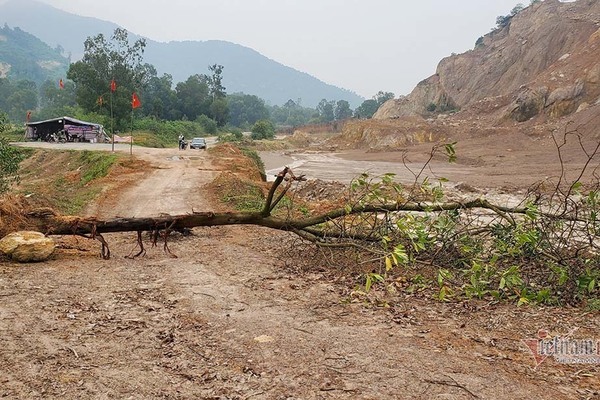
[65,129]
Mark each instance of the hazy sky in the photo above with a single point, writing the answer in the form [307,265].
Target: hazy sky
[361,45]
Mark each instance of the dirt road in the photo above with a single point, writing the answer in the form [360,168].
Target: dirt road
[237,316]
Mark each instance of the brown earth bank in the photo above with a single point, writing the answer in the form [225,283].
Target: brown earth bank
[490,157]
[247,313]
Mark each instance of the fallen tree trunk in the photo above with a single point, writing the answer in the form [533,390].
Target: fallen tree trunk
[53,224]
[375,221]
[69,225]
[50,223]
[309,228]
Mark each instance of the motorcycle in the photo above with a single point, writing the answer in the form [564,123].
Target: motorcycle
[183,144]
[57,138]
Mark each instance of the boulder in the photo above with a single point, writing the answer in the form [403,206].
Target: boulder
[27,246]
[565,100]
[528,104]
[593,75]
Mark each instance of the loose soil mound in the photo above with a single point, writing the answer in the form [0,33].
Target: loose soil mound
[12,214]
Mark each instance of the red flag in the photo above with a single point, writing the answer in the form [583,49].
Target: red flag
[135,101]
[113,85]
[61,84]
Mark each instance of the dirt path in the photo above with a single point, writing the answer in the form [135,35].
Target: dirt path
[233,318]
[172,185]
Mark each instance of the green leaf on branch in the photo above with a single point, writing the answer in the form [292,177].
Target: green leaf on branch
[450,149]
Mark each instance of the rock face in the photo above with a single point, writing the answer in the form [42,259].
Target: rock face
[545,59]
[529,103]
[27,246]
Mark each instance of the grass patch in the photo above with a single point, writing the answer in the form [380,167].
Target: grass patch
[71,200]
[150,139]
[97,165]
[14,134]
[65,180]
[238,194]
[258,162]
[244,195]
[593,305]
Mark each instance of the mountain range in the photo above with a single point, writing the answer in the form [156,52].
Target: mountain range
[24,56]
[245,70]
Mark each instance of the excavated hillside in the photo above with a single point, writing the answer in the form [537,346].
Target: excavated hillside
[527,76]
[549,50]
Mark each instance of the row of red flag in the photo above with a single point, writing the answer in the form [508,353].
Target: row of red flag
[135,100]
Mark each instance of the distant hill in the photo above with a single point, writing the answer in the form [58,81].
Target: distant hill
[246,70]
[24,56]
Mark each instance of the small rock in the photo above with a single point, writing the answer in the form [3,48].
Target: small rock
[583,106]
[564,57]
[264,339]
[27,246]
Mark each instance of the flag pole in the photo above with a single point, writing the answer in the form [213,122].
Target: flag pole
[112,123]
[131,137]
[135,103]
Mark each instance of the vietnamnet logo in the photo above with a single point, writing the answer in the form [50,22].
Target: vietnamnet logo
[564,349]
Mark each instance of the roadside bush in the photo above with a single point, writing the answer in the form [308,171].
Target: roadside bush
[168,131]
[209,125]
[10,158]
[263,129]
[231,134]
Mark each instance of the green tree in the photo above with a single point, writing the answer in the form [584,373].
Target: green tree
[366,109]
[290,104]
[193,97]
[503,20]
[6,89]
[342,110]
[54,101]
[517,9]
[160,98]
[263,129]
[246,109]
[208,125]
[215,81]
[24,97]
[292,114]
[10,158]
[326,110]
[381,97]
[219,110]
[103,61]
